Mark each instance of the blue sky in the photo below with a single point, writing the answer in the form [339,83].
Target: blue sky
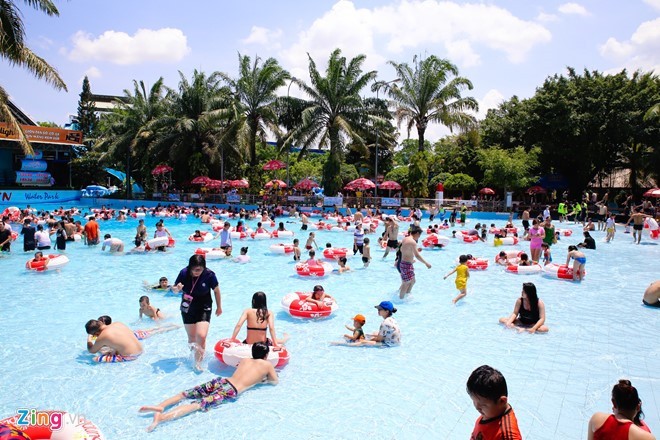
[505,47]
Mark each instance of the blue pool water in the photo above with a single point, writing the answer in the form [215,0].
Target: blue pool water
[599,333]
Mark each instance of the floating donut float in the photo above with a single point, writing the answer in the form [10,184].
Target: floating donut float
[334,253]
[562,272]
[281,248]
[470,238]
[320,269]
[260,235]
[565,232]
[477,264]
[280,234]
[432,240]
[70,426]
[55,261]
[210,253]
[14,235]
[534,268]
[13,213]
[232,351]
[509,241]
[157,242]
[205,237]
[296,305]
[652,226]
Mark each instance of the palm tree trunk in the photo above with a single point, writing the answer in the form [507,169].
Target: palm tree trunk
[253,142]
[421,129]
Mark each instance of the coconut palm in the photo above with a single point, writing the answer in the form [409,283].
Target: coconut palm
[130,129]
[14,50]
[254,93]
[430,91]
[334,112]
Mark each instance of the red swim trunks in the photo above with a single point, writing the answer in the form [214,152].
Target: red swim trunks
[407,271]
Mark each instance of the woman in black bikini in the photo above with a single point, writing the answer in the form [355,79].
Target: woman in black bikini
[528,313]
[259,321]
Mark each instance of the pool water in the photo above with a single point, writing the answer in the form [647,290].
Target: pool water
[599,333]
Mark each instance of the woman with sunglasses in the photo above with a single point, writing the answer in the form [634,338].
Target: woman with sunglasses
[528,312]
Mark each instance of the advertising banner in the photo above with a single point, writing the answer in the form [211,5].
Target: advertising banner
[390,201]
[233,198]
[296,198]
[47,135]
[33,165]
[38,154]
[332,201]
[32,178]
[23,198]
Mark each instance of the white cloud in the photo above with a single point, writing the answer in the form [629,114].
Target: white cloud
[263,36]
[642,51]
[461,53]
[573,9]
[92,72]
[492,99]
[546,18]
[165,45]
[655,4]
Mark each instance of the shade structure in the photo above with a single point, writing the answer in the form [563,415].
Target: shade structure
[274,165]
[653,192]
[360,183]
[390,184]
[487,191]
[215,184]
[277,182]
[306,184]
[536,190]
[161,169]
[200,180]
[241,183]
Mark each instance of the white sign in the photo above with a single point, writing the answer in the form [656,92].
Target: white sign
[25,197]
[296,198]
[390,201]
[332,201]
[468,202]
[233,198]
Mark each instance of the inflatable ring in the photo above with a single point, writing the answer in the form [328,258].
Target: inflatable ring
[55,261]
[432,240]
[320,269]
[240,235]
[281,248]
[470,238]
[205,237]
[562,272]
[260,236]
[565,232]
[477,264]
[14,235]
[280,234]
[509,241]
[334,253]
[156,243]
[534,268]
[210,253]
[232,351]
[71,426]
[297,306]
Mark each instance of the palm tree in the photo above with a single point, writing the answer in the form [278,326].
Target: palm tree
[427,93]
[653,112]
[254,92]
[14,50]
[335,111]
[131,128]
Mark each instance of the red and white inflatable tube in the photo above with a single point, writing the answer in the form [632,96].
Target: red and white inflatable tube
[320,269]
[334,253]
[14,235]
[69,426]
[55,261]
[260,236]
[157,242]
[565,232]
[280,234]
[477,264]
[232,351]
[470,238]
[512,256]
[559,271]
[652,226]
[509,241]
[206,237]
[281,248]
[296,305]
[210,253]
[534,268]
[239,235]
[432,240]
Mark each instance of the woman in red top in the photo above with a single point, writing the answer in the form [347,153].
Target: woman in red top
[625,423]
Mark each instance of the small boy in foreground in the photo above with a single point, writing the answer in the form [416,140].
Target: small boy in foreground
[488,391]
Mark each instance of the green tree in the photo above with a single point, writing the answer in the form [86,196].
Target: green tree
[87,169]
[431,92]
[305,168]
[508,169]
[399,175]
[408,148]
[334,112]
[87,119]
[49,124]
[418,174]
[347,173]
[460,182]
[255,98]
[13,49]
[458,154]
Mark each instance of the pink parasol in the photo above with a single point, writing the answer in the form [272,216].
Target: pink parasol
[536,190]
[161,169]
[360,183]
[487,191]
[390,184]
[274,165]
[279,183]
[200,180]
[213,184]
[242,183]
[653,192]
[306,184]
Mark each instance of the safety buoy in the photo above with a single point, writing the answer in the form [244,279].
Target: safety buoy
[477,263]
[205,237]
[260,235]
[565,232]
[320,269]
[210,253]
[296,305]
[280,234]
[334,253]
[55,261]
[232,351]
[534,268]
[156,243]
[559,271]
[281,248]
[433,240]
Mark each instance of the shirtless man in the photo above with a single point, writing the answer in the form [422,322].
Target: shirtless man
[117,341]
[304,220]
[408,254]
[205,217]
[525,219]
[638,224]
[210,394]
[652,295]
[358,218]
[140,233]
[391,235]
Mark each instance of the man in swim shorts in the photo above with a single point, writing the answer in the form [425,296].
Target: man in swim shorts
[652,295]
[219,390]
[91,231]
[638,224]
[391,235]
[408,254]
[116,342]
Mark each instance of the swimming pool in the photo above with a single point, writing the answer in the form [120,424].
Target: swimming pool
[599,332]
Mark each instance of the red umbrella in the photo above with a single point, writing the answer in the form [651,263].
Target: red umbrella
[487,191]
[306,184]
[360,183]
[161,169]
[390,184]
[242,183]
[536,190]
[653,192]
[279,183]
[213,183]
[274,165]
[200,180]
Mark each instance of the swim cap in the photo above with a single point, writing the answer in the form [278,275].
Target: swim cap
[359,318]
